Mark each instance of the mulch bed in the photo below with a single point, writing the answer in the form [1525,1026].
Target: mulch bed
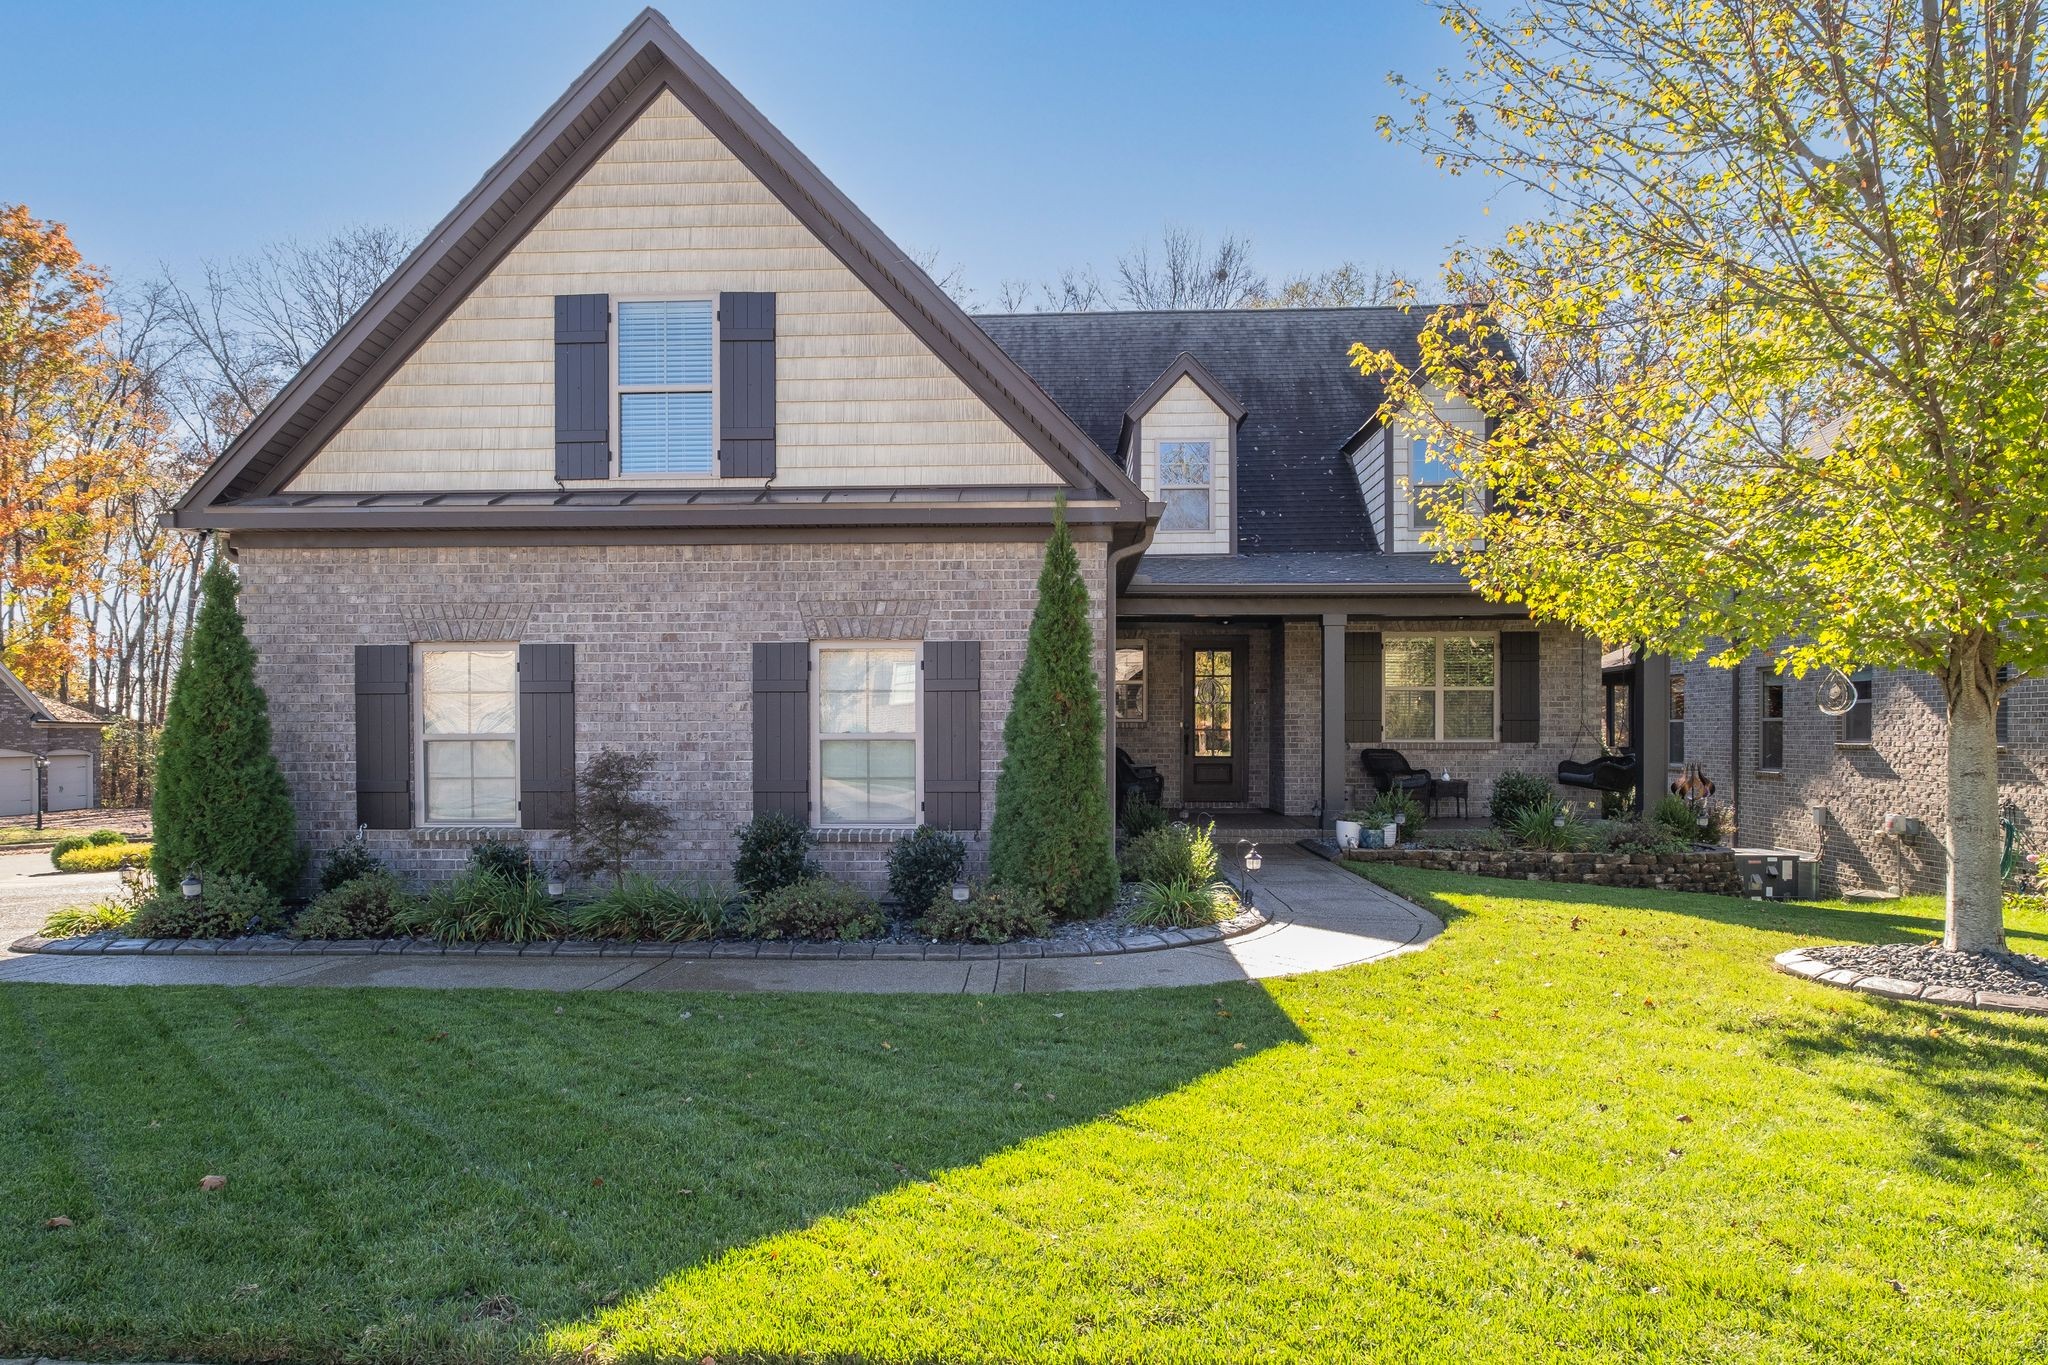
[1932,965]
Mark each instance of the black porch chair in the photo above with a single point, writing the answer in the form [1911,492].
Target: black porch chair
[1390,769]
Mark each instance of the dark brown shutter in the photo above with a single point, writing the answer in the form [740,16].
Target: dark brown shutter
[384,736]
[782,731]
[952,734]
[583,386]
[547,736]
[1521,688]
[1362,664]
[746,386]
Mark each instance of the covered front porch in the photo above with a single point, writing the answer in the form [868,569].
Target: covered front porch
[1258,712]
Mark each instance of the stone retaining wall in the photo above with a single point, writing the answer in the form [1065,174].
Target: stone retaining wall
[1710,872]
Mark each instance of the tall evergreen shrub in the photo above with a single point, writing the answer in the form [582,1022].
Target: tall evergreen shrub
[1052,830]
[220,803]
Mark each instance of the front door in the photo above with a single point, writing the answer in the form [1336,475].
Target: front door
[1214,723]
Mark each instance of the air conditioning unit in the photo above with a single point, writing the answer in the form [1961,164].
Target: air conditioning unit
[1776,874]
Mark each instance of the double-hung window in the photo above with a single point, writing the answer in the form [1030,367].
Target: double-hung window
[469,734]
[867,734]
[665,364]
[1439,687]
[1185,474]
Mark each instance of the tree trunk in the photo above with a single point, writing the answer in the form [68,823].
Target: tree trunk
[1976,918]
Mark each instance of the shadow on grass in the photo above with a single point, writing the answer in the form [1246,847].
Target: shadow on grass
[1915,920]
[440,1175]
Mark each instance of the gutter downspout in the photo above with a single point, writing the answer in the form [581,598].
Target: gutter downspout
[1117,556]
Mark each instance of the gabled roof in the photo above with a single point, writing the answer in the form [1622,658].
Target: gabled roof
[645,59]
[1289,371]
[44,710]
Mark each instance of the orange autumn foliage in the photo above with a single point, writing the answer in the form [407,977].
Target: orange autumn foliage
[74,439]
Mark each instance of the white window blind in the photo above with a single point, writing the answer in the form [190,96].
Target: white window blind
[469,734]
[665,364]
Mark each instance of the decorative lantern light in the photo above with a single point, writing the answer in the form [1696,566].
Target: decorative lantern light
[555,887]
[190,888]
[1249,861]
[1557,820]
[961,893]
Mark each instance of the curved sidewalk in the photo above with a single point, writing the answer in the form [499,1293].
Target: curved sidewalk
[1321,918]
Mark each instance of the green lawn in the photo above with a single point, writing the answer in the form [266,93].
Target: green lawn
[1583,1124]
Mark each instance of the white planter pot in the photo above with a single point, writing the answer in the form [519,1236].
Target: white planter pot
[1390,834]
[1347,833]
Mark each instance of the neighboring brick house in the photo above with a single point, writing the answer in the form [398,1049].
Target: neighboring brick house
[658,442]
[64,737]
[1798,778]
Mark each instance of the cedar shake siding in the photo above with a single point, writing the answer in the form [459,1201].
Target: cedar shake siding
[668,213]
[663,646]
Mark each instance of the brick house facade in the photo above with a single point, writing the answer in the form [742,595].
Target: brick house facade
[658,443]
[1831,787]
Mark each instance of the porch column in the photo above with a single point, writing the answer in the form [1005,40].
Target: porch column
[1335,753]
[1652,704]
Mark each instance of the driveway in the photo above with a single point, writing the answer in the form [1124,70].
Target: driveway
[30,889]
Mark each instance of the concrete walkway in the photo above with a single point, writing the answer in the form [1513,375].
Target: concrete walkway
[1321,918]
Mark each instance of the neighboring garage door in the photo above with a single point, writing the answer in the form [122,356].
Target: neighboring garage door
[70,781]
[17,785]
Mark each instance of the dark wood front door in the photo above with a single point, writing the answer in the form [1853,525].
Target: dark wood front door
[1213,727]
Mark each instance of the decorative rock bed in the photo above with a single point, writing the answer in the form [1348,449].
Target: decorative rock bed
[1929,972]
[1108,935]
[1705,870]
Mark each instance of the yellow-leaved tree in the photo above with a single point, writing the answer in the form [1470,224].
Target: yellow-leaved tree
[1765,368]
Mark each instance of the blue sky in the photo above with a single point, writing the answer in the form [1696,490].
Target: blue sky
[1014,140]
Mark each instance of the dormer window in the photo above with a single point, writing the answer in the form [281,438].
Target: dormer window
[1185,473]
[1428,473]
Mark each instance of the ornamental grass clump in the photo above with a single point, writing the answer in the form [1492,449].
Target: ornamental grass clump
[78,921]
[1549,828]
[1178,852]
[642,908]
[482,906]
[1181,904]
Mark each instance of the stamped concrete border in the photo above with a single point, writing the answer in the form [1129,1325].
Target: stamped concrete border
[1796,962]
[278,945]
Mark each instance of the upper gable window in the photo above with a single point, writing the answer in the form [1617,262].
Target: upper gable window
[1185,473]
[664,389]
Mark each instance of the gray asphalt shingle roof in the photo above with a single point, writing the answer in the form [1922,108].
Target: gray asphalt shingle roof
[1288,366]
